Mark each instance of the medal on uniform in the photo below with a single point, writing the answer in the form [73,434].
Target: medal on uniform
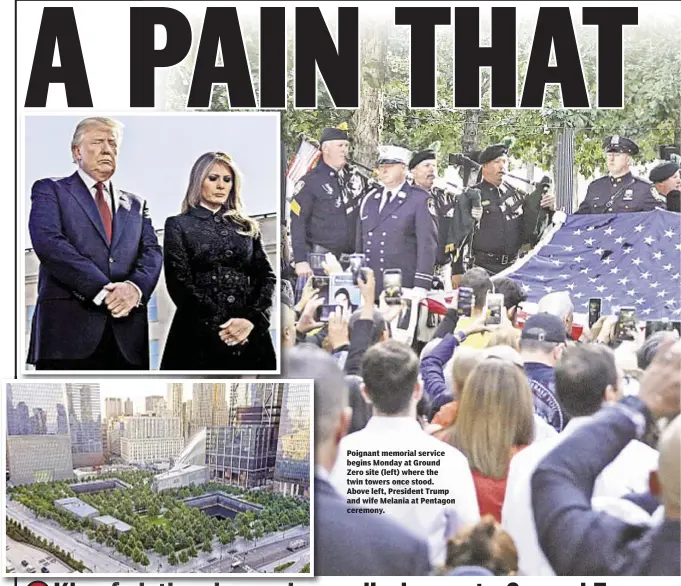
[326,187]
[431,207]
[628,195]
[298,187]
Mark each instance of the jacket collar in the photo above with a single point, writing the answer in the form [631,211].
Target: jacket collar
[204,213]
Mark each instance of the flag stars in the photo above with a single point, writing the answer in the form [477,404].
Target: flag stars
[631,293]
[678,247]
[541,277]
[677,311]
[570,286]
[645,275]
[557,263]
[548,289]
[601,288]
[661,293]
[609,298]
[579,259]
[646,311]
[676,276]
[669,233]
[654,285]
[627,250]
[589,241]
[639,301]
[599,251]
[577,232]
[585,271]
[568,248]
[636,261]
[649,240]
[608,231]
[619,239]
[578,295]
[667,267]
[639,228]
[671,302]
[526,288]
[658,255]
[593,280]
[607,261]
[614,271]
[623,281]
[590,229]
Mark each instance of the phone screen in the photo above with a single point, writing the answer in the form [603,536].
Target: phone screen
[495,305]
[357,261]
[594,310]
[322,285]
[626,324]
[316,260]
[392,285]
[465,302]
[324,311]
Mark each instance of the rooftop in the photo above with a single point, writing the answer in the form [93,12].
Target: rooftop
[77,507]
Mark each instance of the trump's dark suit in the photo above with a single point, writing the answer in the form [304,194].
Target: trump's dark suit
[356,544]
[77,261]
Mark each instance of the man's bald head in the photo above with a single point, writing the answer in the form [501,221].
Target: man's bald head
[669,470]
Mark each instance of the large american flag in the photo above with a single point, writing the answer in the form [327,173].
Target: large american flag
[627,260]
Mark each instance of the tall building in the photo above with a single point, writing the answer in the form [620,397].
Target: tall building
[114,432]
[243,453]
[292,470]
[155,404]
[38,436]
[128,411]
[113,407]
[202,406]
[85,422]
[175,391]
[145,440]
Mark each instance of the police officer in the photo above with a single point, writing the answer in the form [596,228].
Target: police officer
[507,219]
[423,167]
[324,206]
[620,191]
[397,226]
[667,180]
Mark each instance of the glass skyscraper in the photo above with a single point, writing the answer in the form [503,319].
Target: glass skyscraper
[292,471]
[85,422]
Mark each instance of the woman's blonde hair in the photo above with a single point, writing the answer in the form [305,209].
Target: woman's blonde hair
[496,414]
[505,336]
[234,206]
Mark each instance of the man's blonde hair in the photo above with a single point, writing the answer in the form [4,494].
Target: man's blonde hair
[114,125]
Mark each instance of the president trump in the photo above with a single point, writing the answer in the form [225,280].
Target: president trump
[100,261]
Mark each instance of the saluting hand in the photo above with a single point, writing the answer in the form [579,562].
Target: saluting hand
[548,201]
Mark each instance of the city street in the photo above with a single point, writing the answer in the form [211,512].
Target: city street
[37,558]
[96,561]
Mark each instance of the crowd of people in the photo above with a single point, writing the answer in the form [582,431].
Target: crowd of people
[564,455]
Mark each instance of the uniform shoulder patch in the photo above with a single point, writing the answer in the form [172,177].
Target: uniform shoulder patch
[298,187]
[295,207]
[657,195]
[431,206]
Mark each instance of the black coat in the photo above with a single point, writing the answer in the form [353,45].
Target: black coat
[213,274]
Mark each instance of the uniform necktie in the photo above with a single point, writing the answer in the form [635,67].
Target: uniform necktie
[104,210]
[387,196]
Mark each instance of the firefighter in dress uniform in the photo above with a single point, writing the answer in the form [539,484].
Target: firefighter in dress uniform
[325,204]
[509,217]
[397,227]
[620,190]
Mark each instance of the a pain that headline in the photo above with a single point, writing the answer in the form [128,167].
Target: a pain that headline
[338,62]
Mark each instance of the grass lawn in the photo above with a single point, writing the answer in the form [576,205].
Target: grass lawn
[156,520]
[283,566]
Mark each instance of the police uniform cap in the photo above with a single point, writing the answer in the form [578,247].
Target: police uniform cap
[492,152]
[389,155]
[663,171]
[620,144]
[420,157]
[333,134]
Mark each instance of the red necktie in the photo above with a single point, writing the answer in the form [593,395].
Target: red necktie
[104,209]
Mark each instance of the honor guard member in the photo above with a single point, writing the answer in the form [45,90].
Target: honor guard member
[397,227]
[620,191]
[423,167]
[507,221]
[323,211]
[667,180]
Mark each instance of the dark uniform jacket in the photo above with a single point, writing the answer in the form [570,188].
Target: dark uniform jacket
[213,274]
[402,236]
[508,219]
[324,212]
[622,194]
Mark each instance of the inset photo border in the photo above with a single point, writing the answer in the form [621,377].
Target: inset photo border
[79,281]
[158,478]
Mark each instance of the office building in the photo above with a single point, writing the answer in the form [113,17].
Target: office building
[292,470]
[113,407]
[128,411]
[85,423]
[39,458]
[155,404]
[175,391]
[146,440]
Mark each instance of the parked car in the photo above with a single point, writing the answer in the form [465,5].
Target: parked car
[44,570]
[30,569]
[24,563]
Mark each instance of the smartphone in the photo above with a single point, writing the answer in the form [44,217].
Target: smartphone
[465,302]
[494,305]
[658,325]
[357,261]
[392,285]
[594,310]
[321,284]
[324,311]
[625,329]
[316,260]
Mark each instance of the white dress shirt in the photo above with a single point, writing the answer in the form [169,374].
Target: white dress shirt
[627,473]
[434,522]
[108,189]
